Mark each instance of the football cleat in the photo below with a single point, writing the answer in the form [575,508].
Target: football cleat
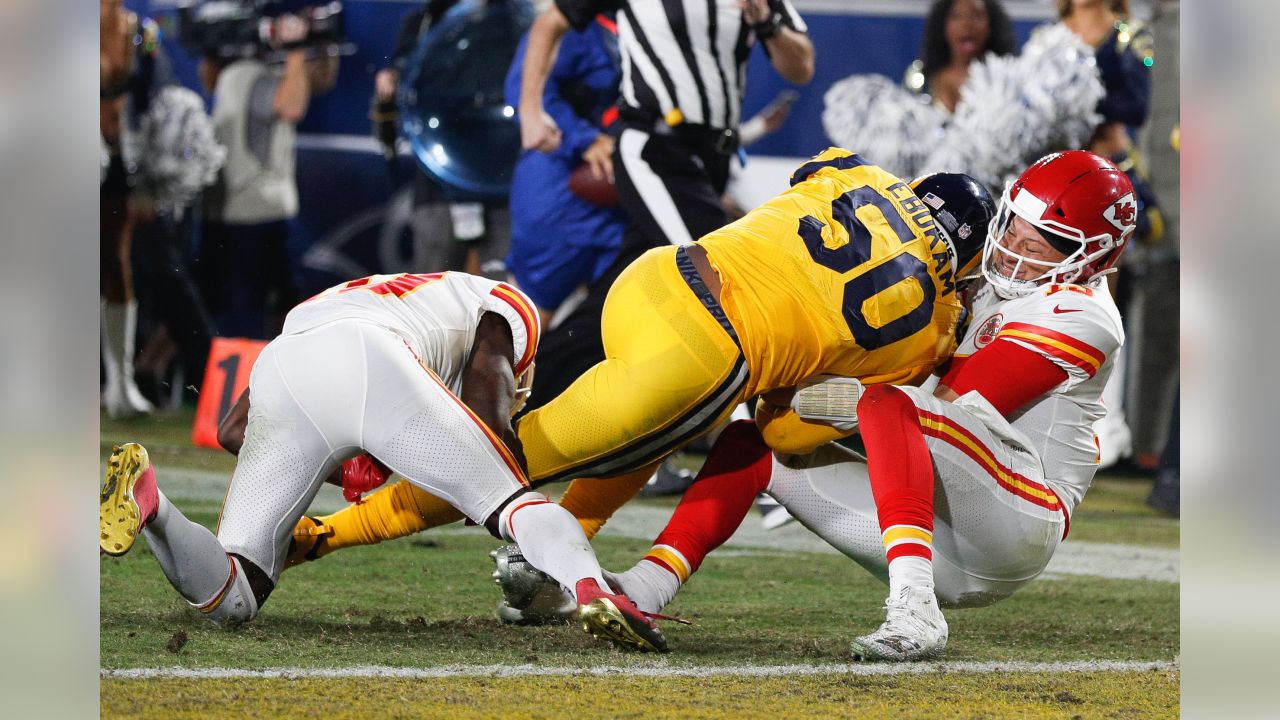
[306,541]
[615,618]
[914,629]
[529,596]
[128,499]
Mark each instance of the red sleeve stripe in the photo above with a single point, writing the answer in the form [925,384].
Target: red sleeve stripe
[529,315]
[1062,346]
[500,447]
[946,430]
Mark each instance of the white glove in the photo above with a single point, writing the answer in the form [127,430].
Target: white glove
[829,399]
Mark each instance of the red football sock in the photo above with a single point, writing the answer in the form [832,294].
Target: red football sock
[736,471]
[901,471]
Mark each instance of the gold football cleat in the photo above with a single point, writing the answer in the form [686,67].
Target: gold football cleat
[128,499]
[602,619]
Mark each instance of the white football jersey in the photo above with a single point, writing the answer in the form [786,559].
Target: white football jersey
[1077,328]
[436,314]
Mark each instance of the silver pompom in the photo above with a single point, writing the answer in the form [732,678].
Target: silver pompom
[1015,109]
[890,126]
[174,150]
[1012,110]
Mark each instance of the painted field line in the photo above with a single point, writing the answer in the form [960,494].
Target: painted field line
[505,671]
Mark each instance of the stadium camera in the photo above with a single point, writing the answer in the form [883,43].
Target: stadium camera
[231,29]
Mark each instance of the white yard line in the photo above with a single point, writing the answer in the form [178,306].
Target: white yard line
[465,671]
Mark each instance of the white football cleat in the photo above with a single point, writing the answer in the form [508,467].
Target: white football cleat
[914,629]
[529,596]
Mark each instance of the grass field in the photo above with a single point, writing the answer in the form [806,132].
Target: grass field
[406,629]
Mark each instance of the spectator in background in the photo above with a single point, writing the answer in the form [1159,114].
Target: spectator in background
[456,235]
[168,146]
[1125,58]
[244,259]
[957,32]
[123,64]
[560,241]
[1123,50]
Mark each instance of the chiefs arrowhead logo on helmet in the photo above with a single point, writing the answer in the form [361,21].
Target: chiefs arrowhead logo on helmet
[1123,213]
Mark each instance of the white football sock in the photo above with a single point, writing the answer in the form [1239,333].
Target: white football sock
[551,539]
[912,571]
[191,557]
[649,585]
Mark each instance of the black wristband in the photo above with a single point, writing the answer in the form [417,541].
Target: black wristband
[769,28]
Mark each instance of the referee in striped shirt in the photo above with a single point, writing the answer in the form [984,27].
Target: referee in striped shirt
[683,70]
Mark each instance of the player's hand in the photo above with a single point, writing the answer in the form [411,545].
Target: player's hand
[362,474]
[755,11]
[538,131]
[384,84]
[599,156]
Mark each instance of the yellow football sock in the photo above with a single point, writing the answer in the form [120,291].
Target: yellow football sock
[594,501]
[391,512]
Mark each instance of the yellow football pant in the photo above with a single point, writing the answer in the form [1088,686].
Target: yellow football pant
[671,373]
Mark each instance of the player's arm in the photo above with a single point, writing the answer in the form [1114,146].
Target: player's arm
[538,130]
[489,381]
[231,429]
[782,33]
[1006,374]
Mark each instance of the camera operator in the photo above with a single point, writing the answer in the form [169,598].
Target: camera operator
[244,261]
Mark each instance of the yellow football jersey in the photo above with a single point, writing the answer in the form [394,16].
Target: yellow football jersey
[843,274]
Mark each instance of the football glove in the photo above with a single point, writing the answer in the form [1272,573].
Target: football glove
[829,399]
[361,474]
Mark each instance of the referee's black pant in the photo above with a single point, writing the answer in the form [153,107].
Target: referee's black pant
[670,186]
[671,190]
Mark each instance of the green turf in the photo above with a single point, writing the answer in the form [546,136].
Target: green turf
[427,601]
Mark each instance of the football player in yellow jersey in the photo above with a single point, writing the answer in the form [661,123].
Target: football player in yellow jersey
[850,272]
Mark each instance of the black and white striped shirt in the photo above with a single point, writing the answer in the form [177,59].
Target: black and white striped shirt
[682,60]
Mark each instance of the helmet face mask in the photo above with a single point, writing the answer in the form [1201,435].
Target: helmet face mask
[1080,204]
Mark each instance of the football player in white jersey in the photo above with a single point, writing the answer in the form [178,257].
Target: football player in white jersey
[418,371]
[966,491]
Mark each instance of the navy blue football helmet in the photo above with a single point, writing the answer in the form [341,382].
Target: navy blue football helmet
[962,209]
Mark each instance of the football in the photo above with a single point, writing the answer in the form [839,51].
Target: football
[584,184]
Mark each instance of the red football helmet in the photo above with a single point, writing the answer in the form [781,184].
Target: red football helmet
[1083,205]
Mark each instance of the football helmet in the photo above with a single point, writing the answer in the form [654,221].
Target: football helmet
[1082,205]
[962,209]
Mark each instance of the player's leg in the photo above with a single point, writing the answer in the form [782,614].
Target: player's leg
[281,464]
[672,371]
[418,427]
[402,509]
[594,500]
[902,482]
[390,512]
[735,472]
[997,520]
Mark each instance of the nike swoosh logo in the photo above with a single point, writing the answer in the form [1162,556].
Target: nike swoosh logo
[1060,309]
